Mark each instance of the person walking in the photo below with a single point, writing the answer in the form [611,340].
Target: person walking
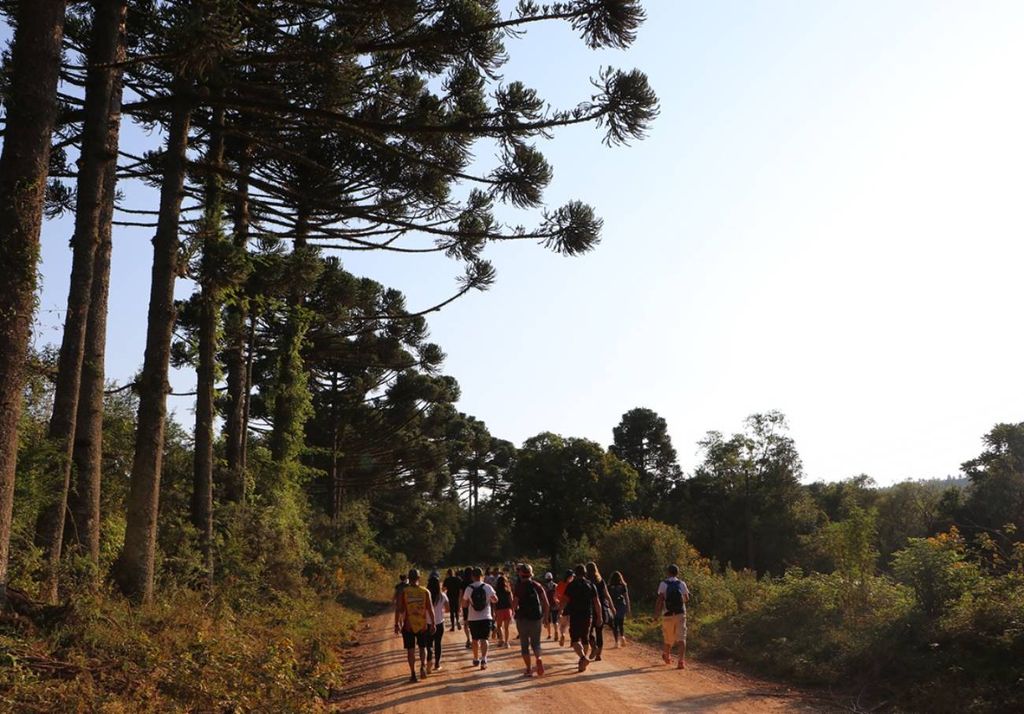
[551,621]
[399,587]
[453,587]
[532,609]
[619,591]
[561,602]
[467,580]
[414,620]
[479,599]
[584,610]
[502,609]
[671,609]
[441,604]
[605,605]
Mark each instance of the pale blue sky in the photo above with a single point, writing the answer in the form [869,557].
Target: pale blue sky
[826,220]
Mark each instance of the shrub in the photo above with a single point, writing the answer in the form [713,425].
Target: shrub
[641,548]
[936,569]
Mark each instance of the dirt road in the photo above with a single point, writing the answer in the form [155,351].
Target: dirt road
[631,679]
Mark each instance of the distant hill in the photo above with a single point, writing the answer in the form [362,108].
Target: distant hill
[938,484]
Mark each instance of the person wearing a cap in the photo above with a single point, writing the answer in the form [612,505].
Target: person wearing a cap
[414,620]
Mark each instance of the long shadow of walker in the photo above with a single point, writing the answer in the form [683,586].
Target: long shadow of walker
[473,680]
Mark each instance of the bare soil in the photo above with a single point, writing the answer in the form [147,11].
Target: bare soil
[630,679]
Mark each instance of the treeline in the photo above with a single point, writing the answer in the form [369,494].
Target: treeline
[281,134]
[906,597]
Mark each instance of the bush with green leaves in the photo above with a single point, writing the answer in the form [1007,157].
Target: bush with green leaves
[641,548]
[937,569]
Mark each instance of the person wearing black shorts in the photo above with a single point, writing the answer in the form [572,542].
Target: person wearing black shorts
[414,619]
[584,611]
[479,599]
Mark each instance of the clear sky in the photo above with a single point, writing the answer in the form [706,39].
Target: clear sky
[826,220]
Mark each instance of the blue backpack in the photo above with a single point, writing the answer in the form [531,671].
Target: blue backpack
[674,604]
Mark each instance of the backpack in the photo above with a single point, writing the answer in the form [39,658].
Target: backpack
[529,606]
[674,597]
[478,597]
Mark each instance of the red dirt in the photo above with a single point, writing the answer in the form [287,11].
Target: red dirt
[631,679]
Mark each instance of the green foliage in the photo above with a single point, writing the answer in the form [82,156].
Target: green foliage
[850,544]
[744,504]
[641,440]
[565,486]
[642,548]
[936,569]
[805,628]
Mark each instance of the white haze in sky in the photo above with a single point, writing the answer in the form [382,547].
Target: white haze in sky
[826,220]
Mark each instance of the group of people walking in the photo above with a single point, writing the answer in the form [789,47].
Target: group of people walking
[483,604]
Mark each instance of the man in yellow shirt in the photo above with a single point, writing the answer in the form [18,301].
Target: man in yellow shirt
[414,619]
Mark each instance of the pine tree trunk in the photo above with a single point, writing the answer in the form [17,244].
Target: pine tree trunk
[31,110]
[97,155]
[235,352]
[84,503]
[206,371]
[286,435]
[134,568]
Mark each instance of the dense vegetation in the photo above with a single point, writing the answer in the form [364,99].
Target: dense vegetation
[327,448]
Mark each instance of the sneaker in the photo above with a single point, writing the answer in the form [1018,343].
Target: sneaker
[682,665]
[540,668]
[437,667]
[666,658]
[412,679]
[423,672]
[583,663]
[527,674]
[469,645]
[476,663]
[483,663]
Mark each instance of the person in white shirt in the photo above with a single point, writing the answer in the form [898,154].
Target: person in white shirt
[441,605]
[671,609]
[478,600]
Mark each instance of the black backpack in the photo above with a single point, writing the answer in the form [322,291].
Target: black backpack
[674,597]
[478,597]
[529,605]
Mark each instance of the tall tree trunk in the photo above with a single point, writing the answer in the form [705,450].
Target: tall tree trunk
[31,110]
[235,353]
[102,81]
[84,499]
[291,393]
[134,568]
[206,371]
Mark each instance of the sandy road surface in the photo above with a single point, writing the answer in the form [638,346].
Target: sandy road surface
[631,679]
